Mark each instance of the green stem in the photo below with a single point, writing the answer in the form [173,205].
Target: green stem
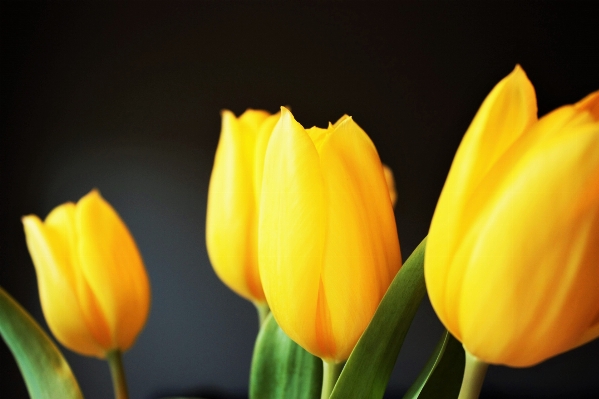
[115,362]
[263,311]
[474,375]
[330,374]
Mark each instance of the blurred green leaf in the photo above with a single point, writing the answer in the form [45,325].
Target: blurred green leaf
[45,371]
[441,378]
[281,369]
[369,366]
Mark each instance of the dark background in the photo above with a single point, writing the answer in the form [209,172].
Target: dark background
[126,98]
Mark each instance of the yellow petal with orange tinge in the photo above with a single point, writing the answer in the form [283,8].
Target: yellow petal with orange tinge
[113,268]
[292,230]
[62,221]
[57,296]
[93,286]
[361,255]
[591,104]
[328,242]
[555,276]
[231,212]
[390,179]
[519,282]
[506,114]
[233,201]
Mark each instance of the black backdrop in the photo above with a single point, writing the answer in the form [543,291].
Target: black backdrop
[126,98]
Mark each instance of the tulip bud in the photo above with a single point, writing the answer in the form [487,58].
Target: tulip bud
[512,259]
[328,243]
[93,286]
[234,199]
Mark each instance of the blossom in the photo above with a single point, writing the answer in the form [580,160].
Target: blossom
[234,200]
[328,245]
[92,282]
[512,259]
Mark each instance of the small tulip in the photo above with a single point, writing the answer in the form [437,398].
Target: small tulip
[234,200]
[512,259]
[328,241]
[93,286]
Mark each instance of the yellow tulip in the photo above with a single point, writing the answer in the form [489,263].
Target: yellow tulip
[512,259]
[328,242]
[93,286]
[234,198]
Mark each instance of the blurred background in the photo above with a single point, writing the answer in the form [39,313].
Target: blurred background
[126,98]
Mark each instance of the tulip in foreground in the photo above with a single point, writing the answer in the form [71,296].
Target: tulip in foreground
[234,200]
[512,260]
[328,243]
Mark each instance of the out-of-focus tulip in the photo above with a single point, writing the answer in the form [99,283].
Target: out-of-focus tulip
[512,259]
[328,240]
[93,285]
[234,200]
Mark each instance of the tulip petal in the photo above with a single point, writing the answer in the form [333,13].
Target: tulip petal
[389,178]
[231,220]
[112,265]
[252,119]
[56,283]
[361,254]
[292,230]
[507,112]
[590,334]
[62,222]
[591,104]
[262,139]
[543,285]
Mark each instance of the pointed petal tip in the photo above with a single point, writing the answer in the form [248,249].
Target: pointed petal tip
[227,119]
[591,104]
[519,74]
[29,220]
[93,195]
[287,117]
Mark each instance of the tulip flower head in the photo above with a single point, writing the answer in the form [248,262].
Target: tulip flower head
[92,282]
[328,243]
[234,199]
[512,259]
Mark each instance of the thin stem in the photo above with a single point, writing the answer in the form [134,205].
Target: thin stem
[117,372]
[330,374]
[263,311]
[474,375]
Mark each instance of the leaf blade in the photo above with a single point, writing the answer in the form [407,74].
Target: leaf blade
[281,368]
[441,377]
[46,373]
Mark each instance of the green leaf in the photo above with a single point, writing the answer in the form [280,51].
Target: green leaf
[45,371]
[441,378]
[281,369]
[370,364]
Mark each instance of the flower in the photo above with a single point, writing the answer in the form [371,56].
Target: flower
[93,286]
[234,199]
[512,259]
[328,242]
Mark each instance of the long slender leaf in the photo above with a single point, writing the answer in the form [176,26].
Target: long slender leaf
[281,369]
[369,366]
[45,371]
[441,378]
